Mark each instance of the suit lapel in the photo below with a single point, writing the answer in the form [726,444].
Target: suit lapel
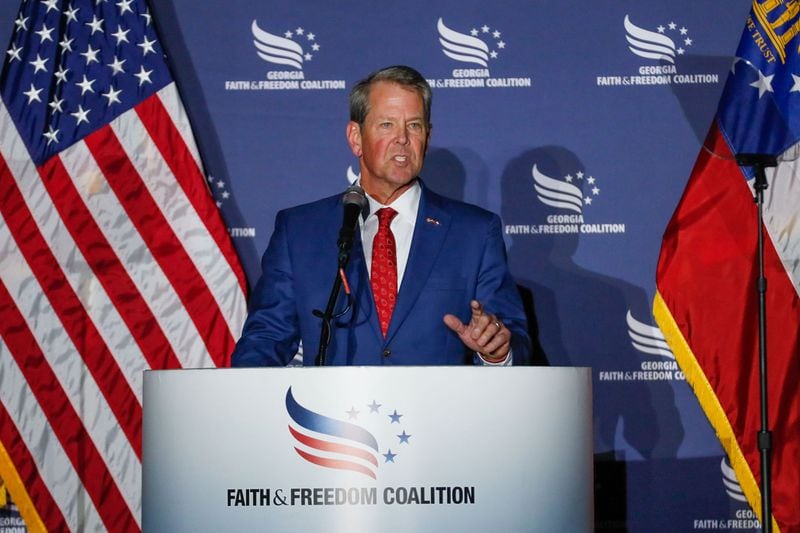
[430,230]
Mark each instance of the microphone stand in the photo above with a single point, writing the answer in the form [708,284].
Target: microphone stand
[327,316]
[760,162]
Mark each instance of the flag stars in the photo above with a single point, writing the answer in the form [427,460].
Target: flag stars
[763,84]
[143,75]
[395,417]
[61,74]
[33,94]
[71,14]
[404,437]
[116,66]
[38,64]
[91,55]
[66,44]
[22,22]
[147,46]
[124,5]
[112,96]
[51,5]
[81,115]
[56,104]
[796,87]
[121,35]
[147,17]
[14,52]
[51,135]
[85,85]
[96,24]
[389,456]
[44,33]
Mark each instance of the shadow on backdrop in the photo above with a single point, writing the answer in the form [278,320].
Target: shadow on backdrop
[582,322]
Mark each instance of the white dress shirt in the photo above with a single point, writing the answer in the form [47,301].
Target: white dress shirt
[402,226]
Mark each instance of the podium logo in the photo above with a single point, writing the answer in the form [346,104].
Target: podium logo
[646,338]
[340,444]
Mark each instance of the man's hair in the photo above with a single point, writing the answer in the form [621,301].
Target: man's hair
[399,74]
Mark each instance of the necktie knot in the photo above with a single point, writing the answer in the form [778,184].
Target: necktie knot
[385,216]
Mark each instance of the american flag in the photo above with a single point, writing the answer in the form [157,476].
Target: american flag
[114,258]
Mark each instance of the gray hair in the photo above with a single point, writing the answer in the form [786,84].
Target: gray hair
[399,74]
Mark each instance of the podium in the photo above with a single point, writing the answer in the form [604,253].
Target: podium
[363,449]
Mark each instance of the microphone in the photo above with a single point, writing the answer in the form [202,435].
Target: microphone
[355,203]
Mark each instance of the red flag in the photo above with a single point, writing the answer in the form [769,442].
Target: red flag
[114,258]
[707,302]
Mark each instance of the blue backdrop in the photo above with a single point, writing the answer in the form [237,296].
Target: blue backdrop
[578,122]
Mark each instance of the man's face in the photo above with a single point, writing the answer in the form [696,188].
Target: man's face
[391,143]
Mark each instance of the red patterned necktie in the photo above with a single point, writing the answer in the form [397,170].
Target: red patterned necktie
[383,277]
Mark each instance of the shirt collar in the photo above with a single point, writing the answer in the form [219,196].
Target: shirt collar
[406,205]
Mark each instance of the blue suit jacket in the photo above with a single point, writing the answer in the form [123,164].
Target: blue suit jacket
[457,255]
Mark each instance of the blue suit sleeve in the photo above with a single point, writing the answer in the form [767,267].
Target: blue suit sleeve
[271,332]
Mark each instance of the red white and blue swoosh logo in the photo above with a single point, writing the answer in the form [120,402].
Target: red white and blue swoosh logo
[343,445]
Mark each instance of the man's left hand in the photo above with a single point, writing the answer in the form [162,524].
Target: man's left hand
[484,333]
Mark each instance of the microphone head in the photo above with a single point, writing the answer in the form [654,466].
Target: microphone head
[354,195]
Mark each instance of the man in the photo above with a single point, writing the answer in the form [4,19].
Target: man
[456,302]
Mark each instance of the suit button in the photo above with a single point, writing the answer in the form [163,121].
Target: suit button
[387,352]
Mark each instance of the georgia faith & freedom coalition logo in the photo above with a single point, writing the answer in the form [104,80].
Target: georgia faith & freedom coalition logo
[742,519]
[569,196]
[287,54]
[659,51]
[373,437]
[474,50]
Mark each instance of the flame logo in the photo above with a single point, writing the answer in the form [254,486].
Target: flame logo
[557,193]
[647,339]
[276,49]
[649,44]
[462,47]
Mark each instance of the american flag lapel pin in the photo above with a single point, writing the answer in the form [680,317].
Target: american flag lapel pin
[433,221]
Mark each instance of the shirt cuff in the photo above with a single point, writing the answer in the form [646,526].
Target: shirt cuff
[508,361]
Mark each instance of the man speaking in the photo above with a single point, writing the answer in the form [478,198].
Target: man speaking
[427,281]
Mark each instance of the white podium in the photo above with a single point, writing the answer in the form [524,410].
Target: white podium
[363,449]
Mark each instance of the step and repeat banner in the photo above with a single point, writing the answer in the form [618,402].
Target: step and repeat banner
[578,122]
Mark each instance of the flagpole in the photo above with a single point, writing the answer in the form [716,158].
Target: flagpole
[760,162]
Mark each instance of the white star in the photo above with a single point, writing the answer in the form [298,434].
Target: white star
[61,74]
[90,54]
[579,174]
[51,4]
[315,47]
[44,33]
[116,66]
[493,54]
[121,35]
[288,34]
[124,5]
[226,195]
[33,94]
[680,51]
[595,191]
[299,31]
[485,28]
[683,30]
[220,184]
[473,32]
[733,65]
[81,114]
[308,57]
[568,178]
[763,84]
[147,46]
[55,105]
[496,34]
[661,28]
[113,96]
[587,200]
[96,24]
[85,85]
[501,45]
[51,135]
[38,64]
[590,180]
[672,25]
[796,87]
[143,75]
[66,44]
[22,23]
[71,14]
[14,52]
[310,36]
[146,16]
[688,41]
